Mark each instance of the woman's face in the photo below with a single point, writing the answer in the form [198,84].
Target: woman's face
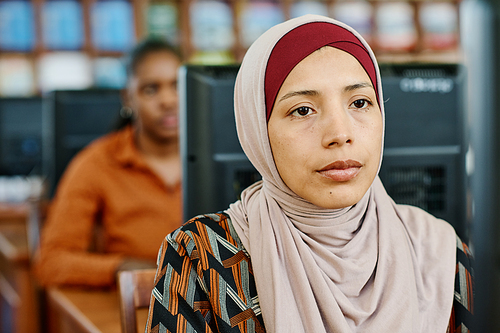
[325,129]
[152,94]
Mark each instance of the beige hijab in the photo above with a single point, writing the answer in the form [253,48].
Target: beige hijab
[372,267]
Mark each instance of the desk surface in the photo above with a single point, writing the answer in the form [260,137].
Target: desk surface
[13,211]
[94,311]
[13,243]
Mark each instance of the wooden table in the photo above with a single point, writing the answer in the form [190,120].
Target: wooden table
[13,212]
[87,310]
[68,309]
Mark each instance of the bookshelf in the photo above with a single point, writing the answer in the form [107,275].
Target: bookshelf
[94,34]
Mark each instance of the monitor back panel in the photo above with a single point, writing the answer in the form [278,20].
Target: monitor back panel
[215,169]
[20,136]
[73,119]
[425,142]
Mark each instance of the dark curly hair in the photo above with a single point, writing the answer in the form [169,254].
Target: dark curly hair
[146,47]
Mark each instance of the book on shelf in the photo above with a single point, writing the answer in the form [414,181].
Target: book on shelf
[16,76]
[162,21]
[64,70]
[112,25]
[17,26]
[62,25]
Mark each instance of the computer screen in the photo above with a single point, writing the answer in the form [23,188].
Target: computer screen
[73,119]
[215,170]
[20,136]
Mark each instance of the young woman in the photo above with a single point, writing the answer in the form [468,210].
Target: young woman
[317,245]
[124,187]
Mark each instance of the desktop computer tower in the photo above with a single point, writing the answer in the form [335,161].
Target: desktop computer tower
[425,146]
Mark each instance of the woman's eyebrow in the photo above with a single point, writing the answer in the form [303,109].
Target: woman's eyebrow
[348,88]
[359,85]
[299,93]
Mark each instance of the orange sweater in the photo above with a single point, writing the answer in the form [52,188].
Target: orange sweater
[107,185]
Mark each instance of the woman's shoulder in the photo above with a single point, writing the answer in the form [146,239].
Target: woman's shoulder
[208,231]
[464,254]
[463,303]
[424,226]
[91,160]
[464,270]
[99,149]
[108,143]
[205,260]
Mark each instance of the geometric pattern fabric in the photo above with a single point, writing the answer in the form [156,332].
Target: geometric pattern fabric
[463,304]
[205,283]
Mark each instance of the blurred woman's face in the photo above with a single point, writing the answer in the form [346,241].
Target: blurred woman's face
[152,93]
[325,129]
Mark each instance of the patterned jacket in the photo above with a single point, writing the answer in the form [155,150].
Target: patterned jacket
[205,282]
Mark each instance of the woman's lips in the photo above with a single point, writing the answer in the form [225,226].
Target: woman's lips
[341,171]
[170,121]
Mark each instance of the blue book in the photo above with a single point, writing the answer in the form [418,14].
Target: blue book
[112,24]
[62,25]
[17,30]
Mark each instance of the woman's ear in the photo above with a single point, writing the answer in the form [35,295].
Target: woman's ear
[127,110]
[124,96]
[126,116]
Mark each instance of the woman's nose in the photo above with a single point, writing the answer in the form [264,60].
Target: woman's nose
[169,97]
[337,128]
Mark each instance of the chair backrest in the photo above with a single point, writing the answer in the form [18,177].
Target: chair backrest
[37,212]
[135,292]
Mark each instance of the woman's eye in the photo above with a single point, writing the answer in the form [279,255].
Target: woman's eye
[302,111]
[361,103]
[149,90]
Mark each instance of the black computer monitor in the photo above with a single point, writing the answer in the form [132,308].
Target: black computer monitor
[72,119]
[20,136]
[215,170]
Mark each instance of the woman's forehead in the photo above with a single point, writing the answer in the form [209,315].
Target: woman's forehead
[303,40]
[336,67]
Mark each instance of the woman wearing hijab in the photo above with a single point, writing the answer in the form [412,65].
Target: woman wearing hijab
[317,245]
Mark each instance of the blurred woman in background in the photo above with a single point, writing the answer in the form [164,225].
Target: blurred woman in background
[121,194]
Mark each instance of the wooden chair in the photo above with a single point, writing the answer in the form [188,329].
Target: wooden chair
[135,292]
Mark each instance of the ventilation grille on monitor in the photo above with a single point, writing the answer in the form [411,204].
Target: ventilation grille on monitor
[424,72]
[221,72]
[424,187]
[419,70]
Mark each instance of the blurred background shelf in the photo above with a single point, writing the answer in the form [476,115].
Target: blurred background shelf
[86,39]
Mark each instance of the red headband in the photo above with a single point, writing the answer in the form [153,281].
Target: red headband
[298,43]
